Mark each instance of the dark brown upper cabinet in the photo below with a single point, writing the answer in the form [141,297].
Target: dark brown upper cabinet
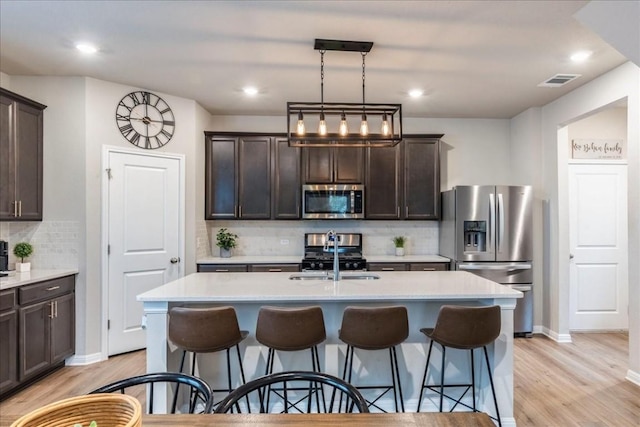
[333,165]
[21,134]
[237,177]
[251,176]
[383,183]
[286,185]
[421,177]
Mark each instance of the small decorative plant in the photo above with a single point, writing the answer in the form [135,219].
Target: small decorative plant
[399,241]
[22,250]
[225,239]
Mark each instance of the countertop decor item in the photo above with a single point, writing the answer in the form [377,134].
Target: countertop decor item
[226,240]
[364,117]
[113,410]
[398,242]
[22,250]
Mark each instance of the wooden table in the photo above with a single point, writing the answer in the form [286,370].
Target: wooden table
[422,419]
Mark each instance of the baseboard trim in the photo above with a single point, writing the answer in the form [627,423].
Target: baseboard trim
[84,359]
[561,338]
[633,376]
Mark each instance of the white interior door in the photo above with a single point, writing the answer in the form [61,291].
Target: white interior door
[598,241]
[144,238]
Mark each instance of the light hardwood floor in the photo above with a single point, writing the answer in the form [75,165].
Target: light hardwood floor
[578,384]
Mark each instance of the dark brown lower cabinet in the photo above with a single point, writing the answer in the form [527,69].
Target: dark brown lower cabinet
[409,266]
[39,332]
[8,340]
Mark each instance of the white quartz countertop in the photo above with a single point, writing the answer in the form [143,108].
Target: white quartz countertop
[15,279]
[277,287]
[297,259]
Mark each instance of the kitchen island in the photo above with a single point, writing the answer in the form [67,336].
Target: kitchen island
[421,292]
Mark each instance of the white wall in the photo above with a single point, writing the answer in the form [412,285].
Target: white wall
[621,83]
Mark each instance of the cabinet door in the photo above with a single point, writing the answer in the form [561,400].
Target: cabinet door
[35,349]
[318,165]
[63,326]
[383,183]
[429,266]
[348,165]
[422,178]
[254,178]
[286,180]
[220,178]
[274,268]
[223,268]
[8,350]
[29,162]
[7,156]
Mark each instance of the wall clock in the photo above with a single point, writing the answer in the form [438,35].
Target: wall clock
[145,120]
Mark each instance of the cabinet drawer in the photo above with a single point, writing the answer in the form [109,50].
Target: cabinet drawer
[274,268]
[223,268]
[7,299]
[386,266]
[46,290]
[428,266]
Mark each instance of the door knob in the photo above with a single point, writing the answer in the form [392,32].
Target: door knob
[175,260]
[570,256]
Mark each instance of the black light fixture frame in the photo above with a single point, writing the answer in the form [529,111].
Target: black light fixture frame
[374,112]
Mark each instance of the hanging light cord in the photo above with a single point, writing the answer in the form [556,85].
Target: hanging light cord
[363,79]
[322,79]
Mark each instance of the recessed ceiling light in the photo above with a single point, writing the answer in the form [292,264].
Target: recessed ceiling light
[415,93]
[86,48]
[250,90]
[580,56]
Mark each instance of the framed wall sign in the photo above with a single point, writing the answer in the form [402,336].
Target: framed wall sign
[612,149]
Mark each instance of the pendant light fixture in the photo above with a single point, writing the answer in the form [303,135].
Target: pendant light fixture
[336,119]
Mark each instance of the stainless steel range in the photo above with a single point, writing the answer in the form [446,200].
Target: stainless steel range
[349,249]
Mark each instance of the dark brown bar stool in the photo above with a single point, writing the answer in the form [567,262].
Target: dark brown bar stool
[375,328]
[291,329]
[206,330]
[465,328]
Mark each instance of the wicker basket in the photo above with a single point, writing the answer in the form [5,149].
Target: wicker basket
[107,410]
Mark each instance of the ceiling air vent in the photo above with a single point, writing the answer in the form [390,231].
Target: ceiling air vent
[559,80]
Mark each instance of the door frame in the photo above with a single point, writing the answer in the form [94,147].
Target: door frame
[107,150]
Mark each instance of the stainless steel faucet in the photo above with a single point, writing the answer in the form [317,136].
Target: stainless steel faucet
[332,236]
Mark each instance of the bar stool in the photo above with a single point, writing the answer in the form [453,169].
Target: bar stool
[206,330]
[291,329]
[375,328]
[465,328]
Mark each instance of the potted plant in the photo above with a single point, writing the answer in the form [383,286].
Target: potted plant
[398,242]
[225,240]
[22,250]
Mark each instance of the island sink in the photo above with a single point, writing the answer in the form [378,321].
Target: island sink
[328,276]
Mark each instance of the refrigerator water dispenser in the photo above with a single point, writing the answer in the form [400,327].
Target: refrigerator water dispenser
[475,236]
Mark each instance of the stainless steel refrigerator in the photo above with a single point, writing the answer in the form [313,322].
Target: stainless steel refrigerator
[488,230]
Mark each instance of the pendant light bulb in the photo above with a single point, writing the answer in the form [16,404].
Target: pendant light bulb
[344,128]
[385,129]
[364,126]
[300,130]
[322,126]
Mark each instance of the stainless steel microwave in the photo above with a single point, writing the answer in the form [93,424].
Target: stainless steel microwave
[333,201]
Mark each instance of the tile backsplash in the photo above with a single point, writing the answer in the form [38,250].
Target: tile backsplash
[55,243]
[287,237]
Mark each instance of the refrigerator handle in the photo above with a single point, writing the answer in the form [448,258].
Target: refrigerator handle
[500,223]
[492,220]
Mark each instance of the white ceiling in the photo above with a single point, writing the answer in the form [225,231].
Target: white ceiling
[479,59]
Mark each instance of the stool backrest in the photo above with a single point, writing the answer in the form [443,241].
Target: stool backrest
[467,327]
[290,328]
[204,330]
[374,327]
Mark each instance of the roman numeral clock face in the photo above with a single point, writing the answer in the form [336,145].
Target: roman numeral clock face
[145,120]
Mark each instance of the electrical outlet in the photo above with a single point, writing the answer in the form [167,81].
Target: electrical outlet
[284,241]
